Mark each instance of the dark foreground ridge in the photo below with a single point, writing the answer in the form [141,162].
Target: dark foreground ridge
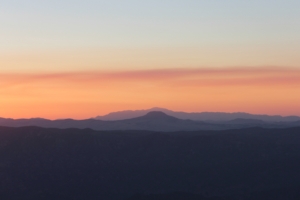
[73,164]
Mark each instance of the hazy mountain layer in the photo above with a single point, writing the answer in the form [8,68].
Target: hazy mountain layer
[153,121]
[203,116]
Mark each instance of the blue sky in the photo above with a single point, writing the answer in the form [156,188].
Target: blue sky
[118,23]
[243,27]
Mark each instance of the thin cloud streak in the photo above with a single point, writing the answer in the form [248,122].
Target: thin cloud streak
[262,90]
[206,76]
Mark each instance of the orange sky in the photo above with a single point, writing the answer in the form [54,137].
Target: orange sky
[80,59]
[264,90]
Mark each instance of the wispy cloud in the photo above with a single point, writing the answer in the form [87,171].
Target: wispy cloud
[197,77]
[90,93]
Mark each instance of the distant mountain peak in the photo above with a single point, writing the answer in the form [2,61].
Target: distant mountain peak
[158,115]
[198,116]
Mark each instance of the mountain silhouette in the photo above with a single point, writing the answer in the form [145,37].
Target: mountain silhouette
[157,115]
[202,116]
[151,121]
[128,114]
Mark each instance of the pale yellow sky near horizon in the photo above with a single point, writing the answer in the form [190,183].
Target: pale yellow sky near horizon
[144,59]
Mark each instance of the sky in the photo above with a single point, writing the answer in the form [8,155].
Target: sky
[79,59]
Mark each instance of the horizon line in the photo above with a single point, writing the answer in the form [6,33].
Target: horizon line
[134,110]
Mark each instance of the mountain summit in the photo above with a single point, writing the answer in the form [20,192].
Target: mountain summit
[129,114]
[157,115]
[155,118]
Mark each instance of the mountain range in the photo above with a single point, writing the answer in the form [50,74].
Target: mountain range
[201,116]
[156,156]
[151,121]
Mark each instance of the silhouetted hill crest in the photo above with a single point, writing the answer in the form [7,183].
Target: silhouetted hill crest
[197,116]
[151,121]
[157,115]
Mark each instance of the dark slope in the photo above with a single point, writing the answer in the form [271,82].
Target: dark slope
[275,194]
[157,115]
[246,121]
[129,114]
[38,163]
[159,121]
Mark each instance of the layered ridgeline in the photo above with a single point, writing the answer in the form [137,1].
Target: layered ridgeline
[74,164]
[202,116]
[152,121]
